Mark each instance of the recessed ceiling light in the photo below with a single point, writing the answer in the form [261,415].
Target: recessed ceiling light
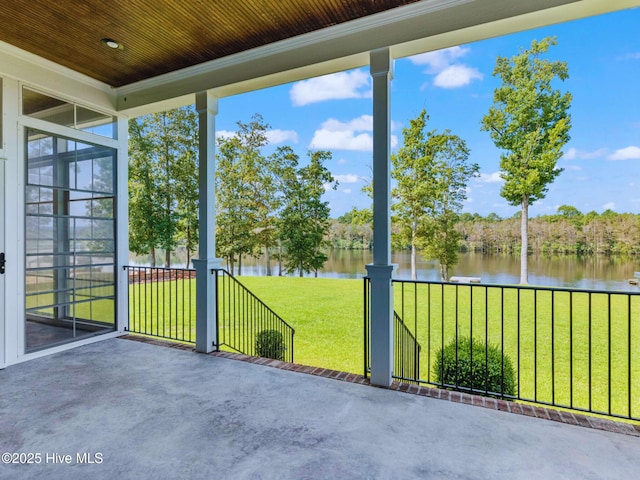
[111,43]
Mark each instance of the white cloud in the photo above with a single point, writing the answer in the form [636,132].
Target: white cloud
[576,154]
[457,76]
[336,135]
[342,161]
[395,126]
[347,191]
[628,153]
[609,206]
[440,59]
[573,168]
[225,134]
[489,178]
[345,140]
[448,72]
[348,178]
[362,123]
[281,136]
[336,86]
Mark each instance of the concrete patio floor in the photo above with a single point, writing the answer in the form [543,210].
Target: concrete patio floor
[148,412]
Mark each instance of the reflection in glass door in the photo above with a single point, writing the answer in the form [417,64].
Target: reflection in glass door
[69,239]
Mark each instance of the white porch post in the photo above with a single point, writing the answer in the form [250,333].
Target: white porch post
[206,321]
[381,271]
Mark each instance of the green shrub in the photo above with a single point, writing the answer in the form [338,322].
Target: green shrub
[270,344]
[484,374]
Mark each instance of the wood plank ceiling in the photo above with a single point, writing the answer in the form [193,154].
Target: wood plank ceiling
[160,36]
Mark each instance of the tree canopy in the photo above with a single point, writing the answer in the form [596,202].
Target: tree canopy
[163,181]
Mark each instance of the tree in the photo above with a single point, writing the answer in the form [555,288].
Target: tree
[529,122]
[412,165]
[431,172]
[304,220]
[245,191]
[162,167]
[451,173]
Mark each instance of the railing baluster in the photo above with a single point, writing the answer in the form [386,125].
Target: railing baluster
[629,384]
[571,349]
[553,348]
[590,359]
[609,350]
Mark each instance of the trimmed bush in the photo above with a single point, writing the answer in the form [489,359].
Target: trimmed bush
[270,344]
[484,374]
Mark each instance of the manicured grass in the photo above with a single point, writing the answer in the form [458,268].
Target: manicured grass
[327,315]
[583,361]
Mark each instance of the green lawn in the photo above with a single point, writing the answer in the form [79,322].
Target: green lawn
[327,315]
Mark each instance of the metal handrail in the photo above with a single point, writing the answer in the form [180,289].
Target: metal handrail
[569,348]
[242,316]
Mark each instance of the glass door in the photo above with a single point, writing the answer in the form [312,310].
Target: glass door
[69,240]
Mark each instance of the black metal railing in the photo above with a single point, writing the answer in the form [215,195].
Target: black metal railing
[246,324]
[406,350]
[575,349]
[162,302]
[407,359]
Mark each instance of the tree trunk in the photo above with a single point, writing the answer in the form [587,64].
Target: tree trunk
[414,228]
[239,264]
[231,262]
[268,258]
[188,245]
[444,272]
[524,240]
[279,258]
[167,258]
[153,256]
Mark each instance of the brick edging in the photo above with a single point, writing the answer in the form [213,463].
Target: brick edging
[545,413]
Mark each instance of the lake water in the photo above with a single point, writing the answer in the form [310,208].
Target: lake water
[593,273]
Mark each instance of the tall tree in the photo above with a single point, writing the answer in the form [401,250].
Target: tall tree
[305,217]
[450,174]
[431,172]
[412,166]
[529,122]
[160,147]
[246,195]
[186,178]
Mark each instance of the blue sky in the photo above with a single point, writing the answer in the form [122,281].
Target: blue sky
[601,161]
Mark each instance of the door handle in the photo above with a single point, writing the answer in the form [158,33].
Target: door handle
[2,263]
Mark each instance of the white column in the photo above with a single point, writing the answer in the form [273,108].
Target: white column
[122,219]
[381,271]
[13,224]
[206,321]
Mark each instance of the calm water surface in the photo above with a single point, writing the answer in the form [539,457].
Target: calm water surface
[594,273]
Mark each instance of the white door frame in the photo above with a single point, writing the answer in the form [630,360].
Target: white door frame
[2,276]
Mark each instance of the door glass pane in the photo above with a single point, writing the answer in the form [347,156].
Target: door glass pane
[44,107]
[54,110]
[70,240]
